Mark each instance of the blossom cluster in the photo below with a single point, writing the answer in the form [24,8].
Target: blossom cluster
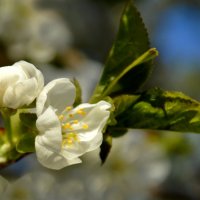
[35,34]
[65,132]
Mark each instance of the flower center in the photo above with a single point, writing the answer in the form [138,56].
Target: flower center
[72,124]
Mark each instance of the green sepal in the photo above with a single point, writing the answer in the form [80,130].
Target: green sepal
[26,143]
[111,121]
[105,147]
[78,99]
[28,132]
[28,120]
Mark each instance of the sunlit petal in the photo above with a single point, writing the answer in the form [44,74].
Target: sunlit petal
[59,93]
[20,84]
[66,133]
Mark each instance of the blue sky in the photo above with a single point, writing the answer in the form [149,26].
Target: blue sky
[178,36]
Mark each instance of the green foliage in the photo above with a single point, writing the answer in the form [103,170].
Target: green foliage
[162,110]
[130,60]
[105,147]
[127,68]
[28,120]
[26,144]
[123,102]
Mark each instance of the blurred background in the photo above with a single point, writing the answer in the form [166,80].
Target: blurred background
[71,38]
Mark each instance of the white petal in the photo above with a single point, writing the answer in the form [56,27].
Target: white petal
[91,138]
[20,84]
[53,160]
[96,118]
[59,93]
[20,94]
[74,150]
[31,71]
[48,143]
[49,128]
[9,75]
[95,142]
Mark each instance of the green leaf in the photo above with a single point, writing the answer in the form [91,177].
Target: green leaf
[127,66]
[162,110]
[123,102]
[105,147]
[116,132]
[26,144]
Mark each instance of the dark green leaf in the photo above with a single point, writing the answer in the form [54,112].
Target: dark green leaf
[123,102]
[117,132]
[105,147]
[162,110]
[131,42]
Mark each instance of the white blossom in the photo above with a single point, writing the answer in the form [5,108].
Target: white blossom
[20,84]
[66,133]
[32,33]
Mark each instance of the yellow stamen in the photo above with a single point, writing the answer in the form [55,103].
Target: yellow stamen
[85,126]
[67,126]
[61,117]
[81,112]
[76,138]
[69,141]
[70,138]
[73,135]
[75,122]
[71,115]
[68,108]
